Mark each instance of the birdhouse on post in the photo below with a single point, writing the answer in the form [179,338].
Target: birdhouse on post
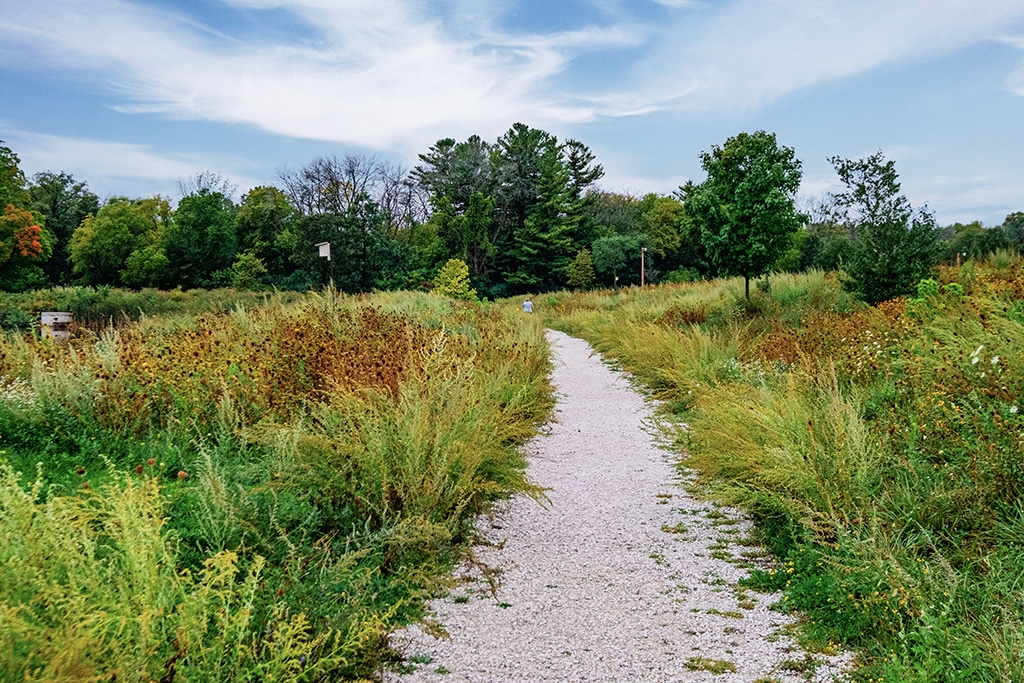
[325,250]
[55,324]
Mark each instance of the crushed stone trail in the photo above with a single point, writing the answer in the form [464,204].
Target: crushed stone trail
[613,578]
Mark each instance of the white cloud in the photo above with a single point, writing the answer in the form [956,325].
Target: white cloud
[754,51]
[397,74]
[378,73]
[115,168]
[966,199]
[1015,82]
[677,4]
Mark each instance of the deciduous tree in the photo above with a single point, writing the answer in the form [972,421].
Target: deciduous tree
[102,244]
[1013,226]
[24,243]
[745,209]
[453,281]
[616,258]
[64,202]
[265,224]
[12,179]
[363,255]
[201,241]
[894,245]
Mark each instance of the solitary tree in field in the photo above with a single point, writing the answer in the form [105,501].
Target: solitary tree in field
[894,246]
[745,210]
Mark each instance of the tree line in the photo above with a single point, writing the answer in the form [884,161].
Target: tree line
[523,213]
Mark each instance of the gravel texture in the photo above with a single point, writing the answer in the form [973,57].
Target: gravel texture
[613,578]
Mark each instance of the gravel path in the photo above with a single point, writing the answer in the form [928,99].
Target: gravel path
[621,576]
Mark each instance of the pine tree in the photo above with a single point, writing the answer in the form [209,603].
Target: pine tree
[581,271]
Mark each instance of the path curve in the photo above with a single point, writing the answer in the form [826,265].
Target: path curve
[614,579]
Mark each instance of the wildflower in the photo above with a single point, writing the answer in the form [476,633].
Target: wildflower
[182,475]
[977,352]
[995,360]
[1013,410]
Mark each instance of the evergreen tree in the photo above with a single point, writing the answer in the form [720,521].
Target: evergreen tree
[581,271]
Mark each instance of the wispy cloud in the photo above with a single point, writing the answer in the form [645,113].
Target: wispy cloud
[753,51]
[392,73]
[376,73]
[959,199]
[124,166]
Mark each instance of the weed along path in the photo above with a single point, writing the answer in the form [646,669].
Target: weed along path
[620,576]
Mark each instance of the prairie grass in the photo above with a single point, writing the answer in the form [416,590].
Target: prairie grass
[257,493]
[877,449]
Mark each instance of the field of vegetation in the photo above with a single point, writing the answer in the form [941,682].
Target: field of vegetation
[879,449]
[249,489]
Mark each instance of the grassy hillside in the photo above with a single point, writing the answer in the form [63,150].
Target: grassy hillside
[879,449]
[253,495]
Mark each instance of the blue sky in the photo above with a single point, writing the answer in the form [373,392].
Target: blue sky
[132,96]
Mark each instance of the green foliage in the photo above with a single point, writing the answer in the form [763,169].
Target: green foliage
[247,272]
[64,203]
[257,494]
[616,259]
[102,244]
[465,234]
[961,242]
[745,209]
[516,210]
[580,274]
[826,245]
[12,178]
[265,224]
[1013,228]
[894,246]
[663,225]
[453,281]
[201,240]
[366,257]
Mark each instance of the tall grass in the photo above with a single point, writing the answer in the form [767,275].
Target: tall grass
[878,450]
[257,494]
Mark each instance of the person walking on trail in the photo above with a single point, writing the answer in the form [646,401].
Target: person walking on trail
[527,306]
